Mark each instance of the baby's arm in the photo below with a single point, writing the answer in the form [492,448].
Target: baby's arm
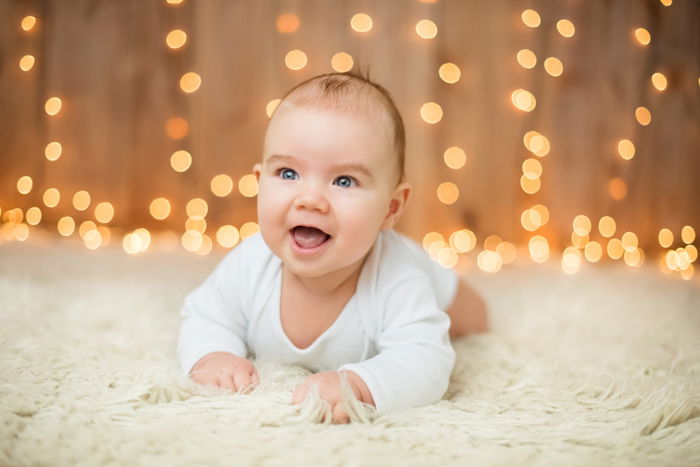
[211,345]
[330,390]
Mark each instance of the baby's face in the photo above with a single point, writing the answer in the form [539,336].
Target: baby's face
[327,181]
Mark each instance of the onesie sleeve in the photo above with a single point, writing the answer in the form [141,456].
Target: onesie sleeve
[214,318]
[415,357]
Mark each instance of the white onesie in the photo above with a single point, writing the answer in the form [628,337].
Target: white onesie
[392,332]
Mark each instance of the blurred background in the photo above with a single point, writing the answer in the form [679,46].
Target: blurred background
[536,129]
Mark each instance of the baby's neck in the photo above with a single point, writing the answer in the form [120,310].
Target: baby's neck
[330,284]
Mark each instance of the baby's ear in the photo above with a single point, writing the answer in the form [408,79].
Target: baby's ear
[397,204]
[257,169]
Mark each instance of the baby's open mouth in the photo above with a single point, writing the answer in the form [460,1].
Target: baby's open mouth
[309,237]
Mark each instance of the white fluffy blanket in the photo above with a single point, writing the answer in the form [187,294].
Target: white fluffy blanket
[599,368]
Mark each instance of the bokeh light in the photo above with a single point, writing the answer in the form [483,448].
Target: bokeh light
[249,229]
[342,62]
[431,112]
[526,58]
[180,160]
[531,18]
[53,105]
[448,193]
[566,28]
[53,151]
[227,236]
[454,157]
[659,81]
[25,184]
[248,185]
[197,209]
[295,60]
[688,234]
[81,200]
[221,185]
[361,22]
[523,100]
[28,23]
[160,208]
[33,215]
[177,128]
[190,82]
[553,66]
[449,73]
[26,63]
[104,212]
[665,238]
[287,23]
[272,106]
[607,226]
[51,197]
[426,29]
[176,38]
[617,188]
[642,36]
[642,115]
[65,226]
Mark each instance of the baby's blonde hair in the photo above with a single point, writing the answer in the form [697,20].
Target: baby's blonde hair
[351,92]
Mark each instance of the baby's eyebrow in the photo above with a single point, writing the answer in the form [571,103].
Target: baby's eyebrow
[359,168]
[279,158]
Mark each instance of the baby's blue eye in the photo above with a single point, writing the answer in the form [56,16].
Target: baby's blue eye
[345,181]
[288,174]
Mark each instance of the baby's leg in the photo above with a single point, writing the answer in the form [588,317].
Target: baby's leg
[467,312]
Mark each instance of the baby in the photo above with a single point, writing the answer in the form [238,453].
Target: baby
[327,284]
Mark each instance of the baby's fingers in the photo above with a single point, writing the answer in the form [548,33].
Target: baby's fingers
[339,415]
[242,379]
[300,393]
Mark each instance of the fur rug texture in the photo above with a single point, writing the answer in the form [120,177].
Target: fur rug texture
[598,368]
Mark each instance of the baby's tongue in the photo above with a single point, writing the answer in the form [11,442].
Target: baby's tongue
[309,237]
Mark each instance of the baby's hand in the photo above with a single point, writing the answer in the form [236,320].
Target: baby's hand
[330,391]
[225,370]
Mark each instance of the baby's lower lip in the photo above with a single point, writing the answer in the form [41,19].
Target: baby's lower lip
[306,251]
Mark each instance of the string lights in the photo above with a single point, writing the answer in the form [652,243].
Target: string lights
[589,241]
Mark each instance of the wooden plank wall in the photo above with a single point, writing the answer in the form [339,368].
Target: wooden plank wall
[108,62]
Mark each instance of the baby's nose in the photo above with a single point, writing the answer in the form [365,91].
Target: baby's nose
[313,199]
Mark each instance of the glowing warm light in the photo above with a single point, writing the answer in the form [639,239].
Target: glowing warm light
[566,28]
[582,225]
[507,252]
[53,105]
[642,35]
[634,258]
[553,66]
[21,232]
[529,185]
[615,249]
[287,23]
[248,229]
[248,186]
[626,149]
[462,241]
[176,38]
[642,115]
[227,236]
[492,242]
[665,238]
[430,238]
[342,62]
[104,212]
[221,185]
[51,197]
[435,249]
[448,193]
[132,244]
[593,252]
[160,208]
[81,200]
[692,251]
[666,2]
[190,82]
[13,216]
[579,241]
[527,138]
[295,59]
[66,226]
[535,217]
[33,215]
[177,128]
[526,58]
[454,157]
[607,226]
[361,22]
[105,235]
[659,81]
[447,258]
[145,237]
[272,106]
[688,274]
[629,241]
[617,189]
[174,2]
[86,227]
[426,29]
[197,208]
[92,239]
[449,73]
[180,161]
[200,225]
[28,23]
[523,100]
[25,184]
[431,112]
[539,145]
[531,18]
[489,261]
[53,151]
[539,249]
[206,246]
[688,234]
[26,63]
[192,240]
[571,260]
[532,168]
